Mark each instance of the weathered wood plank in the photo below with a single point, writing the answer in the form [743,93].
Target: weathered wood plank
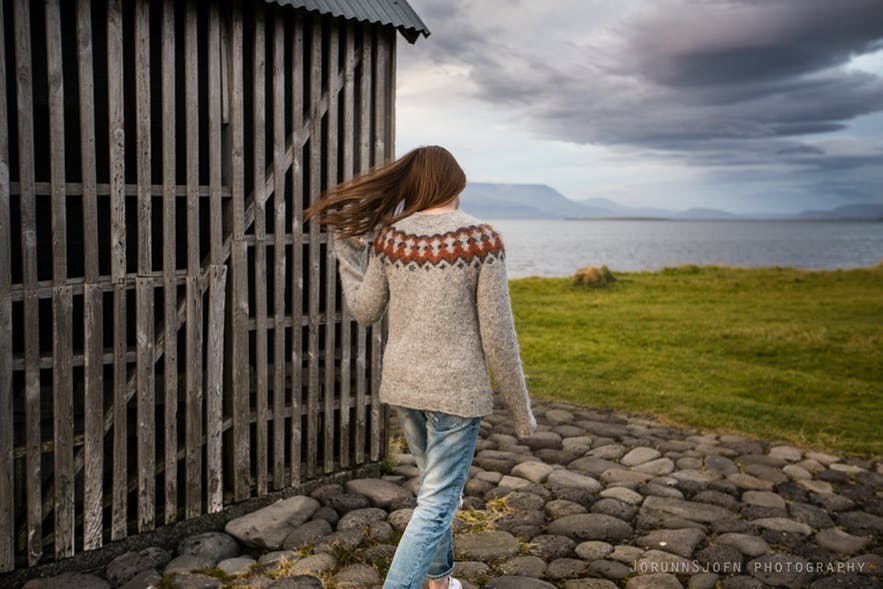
[116,130]
[297,265]
[25,113]
[214,390]
[260,246]
[193,371]
[331,121]
[7,478]
[144,320]
[279,249]
[381,120]
[365,153]
[346,165]
[170,290]
[62,376]
[93,313]
[239,267]
[392,39]
[315,165]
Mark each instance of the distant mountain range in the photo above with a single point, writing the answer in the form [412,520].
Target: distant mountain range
[538,201]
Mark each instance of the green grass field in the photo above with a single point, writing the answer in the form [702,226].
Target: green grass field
[775,353]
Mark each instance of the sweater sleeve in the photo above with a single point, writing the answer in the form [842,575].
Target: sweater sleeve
[363,279]
[500,342]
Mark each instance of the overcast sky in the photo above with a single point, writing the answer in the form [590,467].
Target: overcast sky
[742,105]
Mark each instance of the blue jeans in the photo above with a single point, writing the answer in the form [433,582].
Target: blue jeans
[443,446]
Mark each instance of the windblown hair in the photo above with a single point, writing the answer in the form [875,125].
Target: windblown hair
[424,177]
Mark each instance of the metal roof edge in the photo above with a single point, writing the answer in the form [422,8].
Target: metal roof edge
[395,13]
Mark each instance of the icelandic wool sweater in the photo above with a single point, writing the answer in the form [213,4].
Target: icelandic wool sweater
[443,278]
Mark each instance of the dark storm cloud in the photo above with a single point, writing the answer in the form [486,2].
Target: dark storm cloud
[673,75]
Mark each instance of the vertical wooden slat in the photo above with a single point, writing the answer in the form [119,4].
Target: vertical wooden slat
[331,78]
[315,163]
[170,289]
[25,118]
[93,320]
[7,489]
[279,250]
[214,391]
[239,267]
[390,155]
[116,129]
[380,156]
[365,146]
[347,116]
[144,322]
[297,275]
[260,247]
[194,399]
[214,402]
[62,342]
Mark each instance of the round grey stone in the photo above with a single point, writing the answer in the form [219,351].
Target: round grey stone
[143,580]
[591,526]
[680,541]
[810,515]
[184,581]
[356,576]
[399,519]
[216,546]
[565,568]
[235,565]
[341,539]
[297,582]
[640,455]
[845,581]
[524,566]
[614,508]
[590,584]
[702,581]
[763,499]
[622,494]
[345,502]
[720,557]
[68,580]
[186,563]
[559,508]
[549,547]
[380,531]
[747,544]
[741,582]
[862,523]
[720,464]
[485,546]
[524,501]
[307,534]
[517,582]
[314,564]
[783,524]
[654,581]
[841,542]
[127,566]
[609,569]
[593,550]
[361,518]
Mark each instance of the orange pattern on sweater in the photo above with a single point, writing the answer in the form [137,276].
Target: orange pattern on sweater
[464,245]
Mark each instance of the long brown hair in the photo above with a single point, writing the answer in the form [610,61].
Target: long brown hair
[422,178]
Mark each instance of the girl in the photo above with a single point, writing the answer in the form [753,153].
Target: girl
[405,248]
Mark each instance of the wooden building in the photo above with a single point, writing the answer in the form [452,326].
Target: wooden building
[172,336]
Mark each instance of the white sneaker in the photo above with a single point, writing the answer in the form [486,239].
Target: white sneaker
[454,584]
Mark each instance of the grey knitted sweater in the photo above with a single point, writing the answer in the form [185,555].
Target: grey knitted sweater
[443,279]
